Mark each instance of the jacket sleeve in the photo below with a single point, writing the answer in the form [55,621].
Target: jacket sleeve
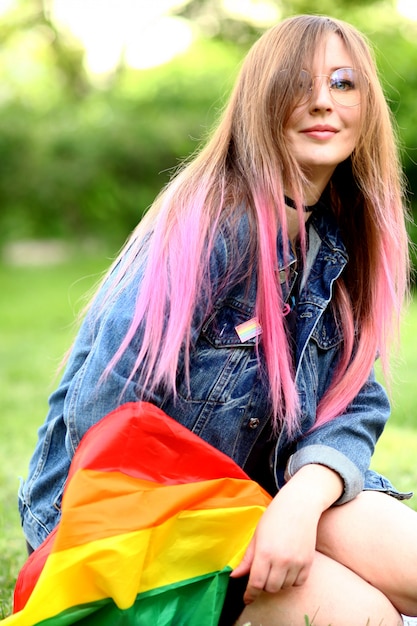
[88,388]
[346,443]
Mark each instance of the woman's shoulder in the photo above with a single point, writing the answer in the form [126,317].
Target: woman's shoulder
[234,240]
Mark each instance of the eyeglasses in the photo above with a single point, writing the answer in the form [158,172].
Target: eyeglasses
[346,86]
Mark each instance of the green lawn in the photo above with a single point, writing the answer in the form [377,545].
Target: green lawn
[37,323]
[37,315]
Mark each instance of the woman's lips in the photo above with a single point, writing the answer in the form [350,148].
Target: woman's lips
[320,132]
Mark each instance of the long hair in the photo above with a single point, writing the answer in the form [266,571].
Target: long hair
[246,162]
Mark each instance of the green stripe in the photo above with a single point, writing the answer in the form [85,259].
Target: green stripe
[194,602]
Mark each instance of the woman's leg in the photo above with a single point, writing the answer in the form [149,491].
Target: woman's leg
[333,595]
[375,536]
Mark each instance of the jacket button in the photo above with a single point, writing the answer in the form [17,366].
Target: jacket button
[253,423]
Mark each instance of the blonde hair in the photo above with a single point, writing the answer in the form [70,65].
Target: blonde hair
[246,163]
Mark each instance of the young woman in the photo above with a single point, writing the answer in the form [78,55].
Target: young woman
[250,305]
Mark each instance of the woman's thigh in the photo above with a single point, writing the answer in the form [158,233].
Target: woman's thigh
[333,594]
[375,536]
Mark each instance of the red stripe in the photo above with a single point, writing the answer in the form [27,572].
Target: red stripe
[184,456]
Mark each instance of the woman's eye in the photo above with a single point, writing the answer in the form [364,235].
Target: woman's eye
[342,85]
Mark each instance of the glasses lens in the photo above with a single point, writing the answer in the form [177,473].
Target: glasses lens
[346,86]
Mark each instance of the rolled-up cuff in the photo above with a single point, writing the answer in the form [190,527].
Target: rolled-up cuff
[325,455]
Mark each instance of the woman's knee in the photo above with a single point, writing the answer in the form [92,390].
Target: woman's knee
[375,536]
[333,594]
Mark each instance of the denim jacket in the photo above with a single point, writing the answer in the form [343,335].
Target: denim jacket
[226,401]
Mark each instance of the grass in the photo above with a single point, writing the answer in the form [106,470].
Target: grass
[37,323]
[39,307]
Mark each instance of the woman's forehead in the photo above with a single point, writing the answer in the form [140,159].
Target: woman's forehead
[330,53]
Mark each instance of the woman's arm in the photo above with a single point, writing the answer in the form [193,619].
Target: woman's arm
[328,467]
[282,549]
[346,443]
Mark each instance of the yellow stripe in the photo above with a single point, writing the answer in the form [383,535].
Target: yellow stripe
[101,504]
[193,544]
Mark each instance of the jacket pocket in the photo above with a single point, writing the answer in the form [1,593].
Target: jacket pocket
[327,334]
[222,367]
[220,328]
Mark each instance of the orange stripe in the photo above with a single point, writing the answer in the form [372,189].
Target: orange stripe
[105,504]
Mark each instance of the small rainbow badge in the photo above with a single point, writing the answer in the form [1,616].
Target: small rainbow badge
[248,330]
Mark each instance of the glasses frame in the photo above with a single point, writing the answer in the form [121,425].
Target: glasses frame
[363,84]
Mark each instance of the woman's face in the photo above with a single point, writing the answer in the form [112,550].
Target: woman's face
[322,132]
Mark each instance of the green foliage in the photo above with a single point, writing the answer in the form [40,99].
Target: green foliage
[36,328]
[93,165]
[80,158]
[340,9]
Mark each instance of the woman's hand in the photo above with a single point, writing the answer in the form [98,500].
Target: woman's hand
[282,548]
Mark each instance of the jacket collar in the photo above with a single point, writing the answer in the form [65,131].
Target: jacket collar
[324,222]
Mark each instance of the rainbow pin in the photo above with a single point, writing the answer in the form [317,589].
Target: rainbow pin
[248,330]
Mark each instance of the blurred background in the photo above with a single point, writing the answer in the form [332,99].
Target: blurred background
[100,99]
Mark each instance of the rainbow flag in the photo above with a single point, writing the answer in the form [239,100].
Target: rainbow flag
[153,521]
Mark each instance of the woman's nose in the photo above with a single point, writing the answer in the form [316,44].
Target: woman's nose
[321,97]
